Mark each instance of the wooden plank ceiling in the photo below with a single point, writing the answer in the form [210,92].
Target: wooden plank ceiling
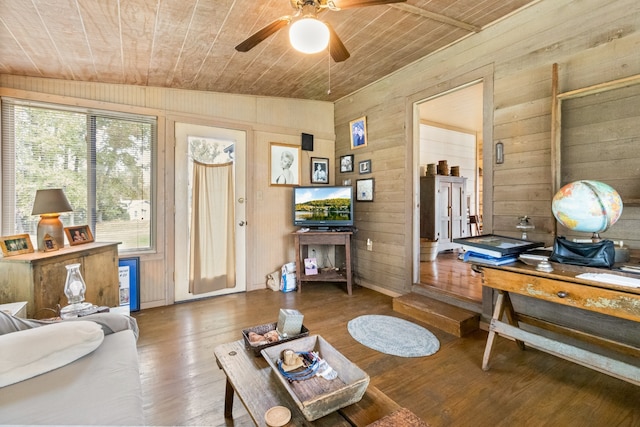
[189,44]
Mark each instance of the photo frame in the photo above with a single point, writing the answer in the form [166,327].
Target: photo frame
[358,132]
[346,163]
[319,170]
[16,245]
[78,234]
[50,244]
[129,276]
[364,167]
[364,190]
[284,165]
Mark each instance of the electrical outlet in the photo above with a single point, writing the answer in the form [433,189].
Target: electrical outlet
[369,245]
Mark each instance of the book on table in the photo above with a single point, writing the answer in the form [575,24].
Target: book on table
[480,258]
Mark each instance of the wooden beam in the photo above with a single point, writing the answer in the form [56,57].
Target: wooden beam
[436,17]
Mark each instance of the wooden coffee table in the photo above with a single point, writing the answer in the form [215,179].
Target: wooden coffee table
[254,382]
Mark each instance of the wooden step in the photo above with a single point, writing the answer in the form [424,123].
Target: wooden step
[454,320]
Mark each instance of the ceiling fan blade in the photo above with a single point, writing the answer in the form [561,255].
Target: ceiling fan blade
[350,4]
[263,34]
[337,50]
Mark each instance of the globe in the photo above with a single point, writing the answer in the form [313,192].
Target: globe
[587,206]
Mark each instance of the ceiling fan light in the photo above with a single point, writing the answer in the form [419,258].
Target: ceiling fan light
[308,35]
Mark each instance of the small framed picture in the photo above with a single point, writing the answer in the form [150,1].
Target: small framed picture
[50,244]
[358,129]
[319,170]
[284,164]
[78,235]
[16,245]
[346,163]
[364,190]
[364,166]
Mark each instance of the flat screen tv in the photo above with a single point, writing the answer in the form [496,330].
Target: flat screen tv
[323,207]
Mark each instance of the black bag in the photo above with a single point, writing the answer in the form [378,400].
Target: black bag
[599,254]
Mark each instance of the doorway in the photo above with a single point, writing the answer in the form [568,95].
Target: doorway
[450,128]
[219,145]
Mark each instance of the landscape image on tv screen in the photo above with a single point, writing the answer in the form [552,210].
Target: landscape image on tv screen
[320,204]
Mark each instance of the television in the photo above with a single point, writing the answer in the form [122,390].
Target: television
[323,208]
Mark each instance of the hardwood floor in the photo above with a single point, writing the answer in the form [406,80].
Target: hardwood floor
[447,273]
[182,384]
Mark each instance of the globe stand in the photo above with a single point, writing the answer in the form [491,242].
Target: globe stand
[595,237]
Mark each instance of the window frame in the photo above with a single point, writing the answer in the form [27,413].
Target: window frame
[8,190]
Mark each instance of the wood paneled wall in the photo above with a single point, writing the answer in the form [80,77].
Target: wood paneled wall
[591,41]
[269,243]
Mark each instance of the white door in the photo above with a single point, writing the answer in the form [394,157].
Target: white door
[183,169]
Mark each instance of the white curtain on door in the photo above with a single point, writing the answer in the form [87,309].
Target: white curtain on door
[212,236]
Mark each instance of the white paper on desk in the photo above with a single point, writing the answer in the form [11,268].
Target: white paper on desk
[612,279]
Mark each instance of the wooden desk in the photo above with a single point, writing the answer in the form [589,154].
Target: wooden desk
[563,288]
[340,238]
[254,382]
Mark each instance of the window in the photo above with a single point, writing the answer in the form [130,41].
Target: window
[103,160]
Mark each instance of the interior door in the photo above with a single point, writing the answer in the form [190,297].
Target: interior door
[182,205]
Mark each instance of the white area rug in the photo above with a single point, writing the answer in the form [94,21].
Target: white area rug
[392,335]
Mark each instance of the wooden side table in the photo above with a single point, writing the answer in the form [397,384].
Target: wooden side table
[339,238]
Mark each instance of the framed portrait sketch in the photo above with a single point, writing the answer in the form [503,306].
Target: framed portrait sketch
[364,190]
[364,166]
[319,170]
[284,164]
[16,245]
[78,235]
[358,128]
[346,163]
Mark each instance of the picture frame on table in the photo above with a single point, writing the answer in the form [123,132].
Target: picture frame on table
[16,245]
[50,243]
[364,190]
[284,164]
[78,234]
[496,245]
[364,167]
[358,132]
[346,163]
[319,170]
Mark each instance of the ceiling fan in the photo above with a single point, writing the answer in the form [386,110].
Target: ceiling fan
[307,11]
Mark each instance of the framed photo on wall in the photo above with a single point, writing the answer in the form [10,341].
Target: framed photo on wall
[346,163]
[16,245]
[284,164]
[78,235]
[364,190]
[364,166]
[358,128]
[319,170]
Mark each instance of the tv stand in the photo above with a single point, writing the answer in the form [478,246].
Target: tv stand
[315,237]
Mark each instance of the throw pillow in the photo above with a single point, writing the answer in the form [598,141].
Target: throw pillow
[32,352]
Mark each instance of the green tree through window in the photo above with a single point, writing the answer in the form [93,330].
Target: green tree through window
[102,160]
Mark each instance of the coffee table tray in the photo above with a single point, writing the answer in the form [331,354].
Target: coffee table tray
[317,397]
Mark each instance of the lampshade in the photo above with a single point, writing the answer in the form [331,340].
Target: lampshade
[308,35]
[49,203]
[51,200]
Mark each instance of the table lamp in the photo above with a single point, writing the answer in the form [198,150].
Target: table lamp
[49,203]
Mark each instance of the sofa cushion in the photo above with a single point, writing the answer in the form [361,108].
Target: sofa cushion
[32,352]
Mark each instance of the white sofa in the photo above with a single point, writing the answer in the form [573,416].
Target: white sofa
[91,371]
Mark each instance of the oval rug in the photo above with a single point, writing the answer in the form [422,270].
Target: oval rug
[392,335]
